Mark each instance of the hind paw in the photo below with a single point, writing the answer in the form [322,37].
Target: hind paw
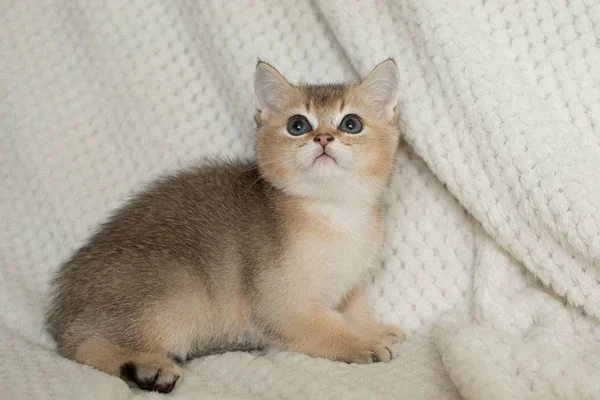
[159,375]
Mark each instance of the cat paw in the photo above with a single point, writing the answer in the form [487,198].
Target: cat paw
[376,352]
[158,375]
[381,348]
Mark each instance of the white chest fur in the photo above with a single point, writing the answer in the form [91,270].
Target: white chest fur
[337,246]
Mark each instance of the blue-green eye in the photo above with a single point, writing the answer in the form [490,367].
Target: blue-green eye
[298,125]
[351,124]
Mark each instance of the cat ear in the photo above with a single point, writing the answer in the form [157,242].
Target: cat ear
[381,88]
[270,88]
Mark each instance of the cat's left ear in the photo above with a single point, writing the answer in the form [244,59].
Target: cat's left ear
[381,88]
[270,88]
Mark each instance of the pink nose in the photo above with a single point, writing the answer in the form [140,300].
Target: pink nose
[323,139]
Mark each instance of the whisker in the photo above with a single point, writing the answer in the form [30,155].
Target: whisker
[249,169]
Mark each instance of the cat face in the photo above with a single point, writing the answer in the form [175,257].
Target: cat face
[325,141]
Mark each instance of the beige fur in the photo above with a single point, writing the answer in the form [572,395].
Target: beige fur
[231,256]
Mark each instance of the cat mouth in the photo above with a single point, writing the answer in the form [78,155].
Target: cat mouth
[324,157]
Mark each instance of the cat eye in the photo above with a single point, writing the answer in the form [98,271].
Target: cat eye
[298,125]
[351,124]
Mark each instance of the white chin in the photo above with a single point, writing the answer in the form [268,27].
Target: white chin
[324,160]
[324,166]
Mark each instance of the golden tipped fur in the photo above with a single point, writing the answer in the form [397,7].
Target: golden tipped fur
[236,256]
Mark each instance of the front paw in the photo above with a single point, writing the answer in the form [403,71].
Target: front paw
[376,351]
[381,347]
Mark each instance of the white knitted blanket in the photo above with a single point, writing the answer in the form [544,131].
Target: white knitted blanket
[492,255]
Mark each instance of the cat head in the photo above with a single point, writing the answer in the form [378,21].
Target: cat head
[327,141]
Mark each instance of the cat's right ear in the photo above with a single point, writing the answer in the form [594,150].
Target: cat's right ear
[270,88]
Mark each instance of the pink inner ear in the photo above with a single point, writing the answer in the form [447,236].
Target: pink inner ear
[381,86]
[270,88]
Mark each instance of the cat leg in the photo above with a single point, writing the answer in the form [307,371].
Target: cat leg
[356,309]
[326,333]
[149,371]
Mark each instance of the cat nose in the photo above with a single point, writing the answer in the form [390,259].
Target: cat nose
[323,139]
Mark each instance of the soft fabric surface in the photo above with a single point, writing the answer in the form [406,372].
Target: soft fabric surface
[491,261]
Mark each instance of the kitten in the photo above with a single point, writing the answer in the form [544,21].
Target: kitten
[233,255]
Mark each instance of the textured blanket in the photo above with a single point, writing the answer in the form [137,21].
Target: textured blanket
[491,261]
